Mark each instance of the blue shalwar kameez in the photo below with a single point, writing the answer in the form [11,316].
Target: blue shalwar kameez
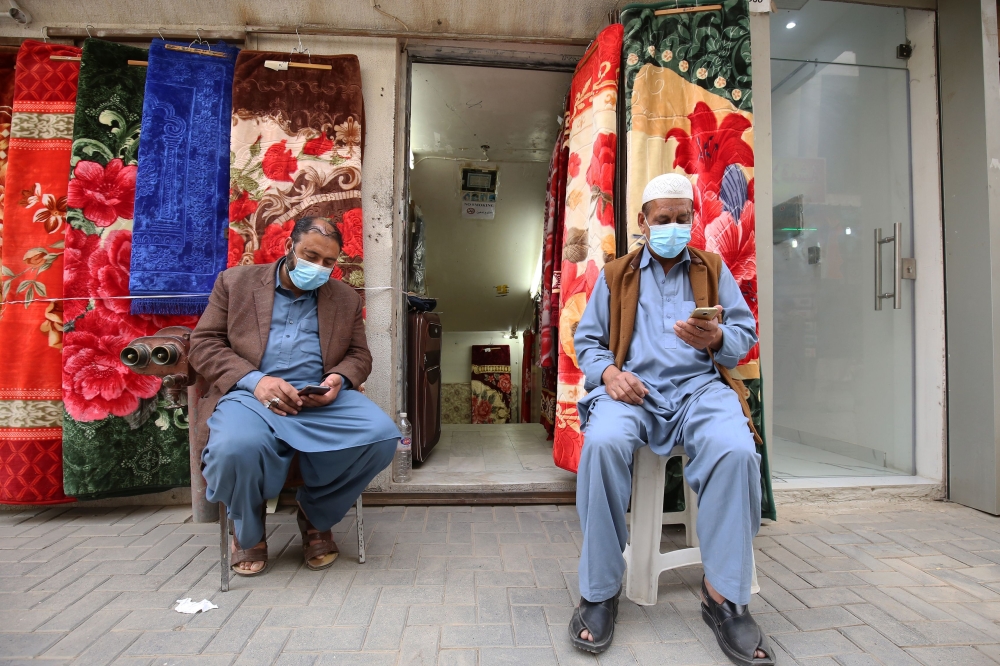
[688,404]
[341,446]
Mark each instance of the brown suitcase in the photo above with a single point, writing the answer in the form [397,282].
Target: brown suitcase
[423,386]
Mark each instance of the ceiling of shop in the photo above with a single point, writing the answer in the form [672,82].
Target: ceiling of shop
[453,111]
[557,18]
[456,110]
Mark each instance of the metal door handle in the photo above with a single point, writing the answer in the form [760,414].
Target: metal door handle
[897,274]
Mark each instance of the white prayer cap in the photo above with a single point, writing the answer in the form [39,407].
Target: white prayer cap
[668,186]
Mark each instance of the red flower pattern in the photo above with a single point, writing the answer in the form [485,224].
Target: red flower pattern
[573,283]
[352,228]
[236,247]
[272,245]
[481,410]
[318,146]
[573,168]
[95,383]
[242,207]
[601,176]
[109,269]
[711,147]
[503,383]
[76,271]
[279,163]
[103,193]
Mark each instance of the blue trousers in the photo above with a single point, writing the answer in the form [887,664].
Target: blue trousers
[724,470]
[245,464]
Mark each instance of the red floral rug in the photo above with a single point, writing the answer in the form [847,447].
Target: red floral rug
[589,225]
[34,228]
[297,142]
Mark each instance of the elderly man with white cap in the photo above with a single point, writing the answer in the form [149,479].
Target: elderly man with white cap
[656,358]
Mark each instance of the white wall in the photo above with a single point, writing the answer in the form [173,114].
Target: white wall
[456,354]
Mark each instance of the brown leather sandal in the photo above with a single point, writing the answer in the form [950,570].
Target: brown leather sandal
[318,544]
[256,554]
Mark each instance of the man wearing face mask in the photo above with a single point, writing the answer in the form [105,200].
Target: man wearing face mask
[270,331]
[659,377]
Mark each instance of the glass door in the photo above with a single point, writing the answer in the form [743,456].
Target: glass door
[843,366]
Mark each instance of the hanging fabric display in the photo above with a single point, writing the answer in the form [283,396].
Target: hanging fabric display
[41,133]
[589,236]
[179,239]
[120,434]
[688,109]
[416,281]
[491,384]
[297,145]
[528,340]
[8,56]
[555,206]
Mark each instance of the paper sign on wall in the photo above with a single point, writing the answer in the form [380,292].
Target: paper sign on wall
[760,6]
[478,205]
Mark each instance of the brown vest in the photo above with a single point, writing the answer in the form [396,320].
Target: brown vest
[622,277]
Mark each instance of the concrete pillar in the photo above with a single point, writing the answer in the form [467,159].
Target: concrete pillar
[970,155]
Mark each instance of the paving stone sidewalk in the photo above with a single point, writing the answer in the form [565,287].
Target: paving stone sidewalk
[895,583]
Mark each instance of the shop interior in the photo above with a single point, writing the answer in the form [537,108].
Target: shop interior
[480,143]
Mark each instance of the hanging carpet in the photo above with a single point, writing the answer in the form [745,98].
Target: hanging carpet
[120,436]
[31,325]
[8,56]
[297,144]
[688,109]
[179,235]
[491,384]
[589,226]
[555,207]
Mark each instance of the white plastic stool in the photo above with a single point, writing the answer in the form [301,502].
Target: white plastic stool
[643,559]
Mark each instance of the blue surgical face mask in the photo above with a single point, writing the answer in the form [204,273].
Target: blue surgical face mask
[306,275]
[668,240]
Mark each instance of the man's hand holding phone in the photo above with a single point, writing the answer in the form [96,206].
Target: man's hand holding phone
[335,382]
[278,395]
[701,330]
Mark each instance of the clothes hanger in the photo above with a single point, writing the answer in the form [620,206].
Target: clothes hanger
[207,51]
[282,65]
[45,39]
[687,10]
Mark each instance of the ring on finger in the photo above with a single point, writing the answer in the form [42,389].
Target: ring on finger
[272,402]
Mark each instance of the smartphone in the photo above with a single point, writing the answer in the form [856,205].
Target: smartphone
[313,390]
[705,313]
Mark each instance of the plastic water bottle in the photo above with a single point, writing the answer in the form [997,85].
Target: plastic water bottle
[404,453]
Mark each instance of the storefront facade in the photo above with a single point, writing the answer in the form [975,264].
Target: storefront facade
[928,403]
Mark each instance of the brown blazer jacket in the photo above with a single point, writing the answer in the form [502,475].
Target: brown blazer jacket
[230,338]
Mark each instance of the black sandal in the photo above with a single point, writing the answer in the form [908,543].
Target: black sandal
[599,619]
[738,634]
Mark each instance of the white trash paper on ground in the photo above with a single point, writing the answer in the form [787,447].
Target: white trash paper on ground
[188,606]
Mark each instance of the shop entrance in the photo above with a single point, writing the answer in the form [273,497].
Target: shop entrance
[843,352]
[480,139]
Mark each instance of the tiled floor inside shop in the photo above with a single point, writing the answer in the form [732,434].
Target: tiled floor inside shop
[895,583]
[791,460]
[511,455]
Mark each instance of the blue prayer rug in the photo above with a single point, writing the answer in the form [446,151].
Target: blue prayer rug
[180,233]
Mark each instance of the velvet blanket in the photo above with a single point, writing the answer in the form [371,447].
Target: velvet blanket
[119,435]
[589,224]
[31,322]
[179,233]
[688,109]
[297,144]
[8,56]
[491,385]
